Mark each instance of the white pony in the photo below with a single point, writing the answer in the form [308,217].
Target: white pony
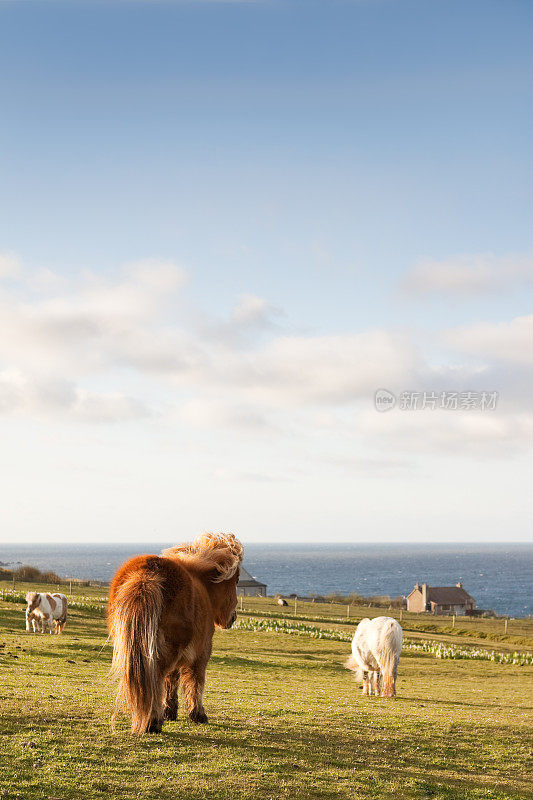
[376,648]
[43,607]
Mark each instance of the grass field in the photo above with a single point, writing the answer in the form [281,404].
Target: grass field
[286,720]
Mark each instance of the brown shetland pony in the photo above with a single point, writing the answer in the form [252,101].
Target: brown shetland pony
[162,614]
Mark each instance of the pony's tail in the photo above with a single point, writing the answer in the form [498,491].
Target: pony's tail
[391,645]
[134,624]
[352,664]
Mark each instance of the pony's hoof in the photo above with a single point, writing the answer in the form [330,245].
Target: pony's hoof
[155,726]
[199,717]
[171,714]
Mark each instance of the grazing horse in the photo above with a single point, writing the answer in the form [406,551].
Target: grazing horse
[162,615]
[43,607]
[376,648]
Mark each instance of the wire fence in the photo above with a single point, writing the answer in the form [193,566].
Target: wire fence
[436,649]
[80,602]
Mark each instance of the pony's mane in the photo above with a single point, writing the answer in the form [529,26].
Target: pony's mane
[219,553]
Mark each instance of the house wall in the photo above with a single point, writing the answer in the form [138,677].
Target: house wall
[457,609]
[415,602]
[252,591]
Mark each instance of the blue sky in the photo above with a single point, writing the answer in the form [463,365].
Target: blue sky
[288,205]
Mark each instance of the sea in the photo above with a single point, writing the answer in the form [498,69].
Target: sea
[499,577]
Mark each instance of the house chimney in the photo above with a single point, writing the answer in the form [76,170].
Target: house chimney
[459,585]
[425,588]
[417,586]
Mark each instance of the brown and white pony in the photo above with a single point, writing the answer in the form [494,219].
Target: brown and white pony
[162,615]
[43,607]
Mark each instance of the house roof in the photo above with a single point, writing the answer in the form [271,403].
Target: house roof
[246,579]
[447,594]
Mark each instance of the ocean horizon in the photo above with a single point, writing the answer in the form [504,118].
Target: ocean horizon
[499,577]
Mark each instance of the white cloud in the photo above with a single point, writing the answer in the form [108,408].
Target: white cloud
[98,326]
[246,476]
[86,328]
[454,432]
[467,274]
[309,370]
[383,466]
[251,317]
[110,407]
[250,310]
[209,413]
[10,265]
[49,397]
[504,341]
[58,346]
[11,397]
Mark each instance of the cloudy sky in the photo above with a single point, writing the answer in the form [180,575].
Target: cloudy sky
[223,227]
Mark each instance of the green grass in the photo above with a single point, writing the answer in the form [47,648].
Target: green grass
[286,721]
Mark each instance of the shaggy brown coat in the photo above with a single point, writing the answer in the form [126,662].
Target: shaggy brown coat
[162,614]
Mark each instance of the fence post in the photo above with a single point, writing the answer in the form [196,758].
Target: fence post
[295,604]
[13,583]
[453,621]
[506,621]
[347,612]
[241,602]
[70,589]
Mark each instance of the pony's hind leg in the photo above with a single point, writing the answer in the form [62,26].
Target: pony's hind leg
[375,683]
[395,675]
[155,724]
[172,683]
[388,688]
[193,682]
[366,683]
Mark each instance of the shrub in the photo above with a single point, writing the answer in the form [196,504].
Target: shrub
[30,574]
[27,573]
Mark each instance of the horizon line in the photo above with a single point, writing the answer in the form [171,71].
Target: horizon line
[285,543]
